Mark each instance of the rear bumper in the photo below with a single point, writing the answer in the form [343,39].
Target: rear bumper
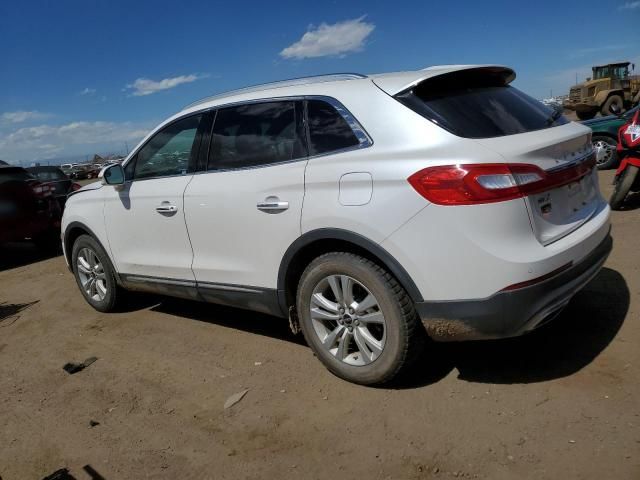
[511,313]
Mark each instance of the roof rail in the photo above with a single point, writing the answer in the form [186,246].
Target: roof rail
[329,77]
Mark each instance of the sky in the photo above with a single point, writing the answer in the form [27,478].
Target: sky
[93,76]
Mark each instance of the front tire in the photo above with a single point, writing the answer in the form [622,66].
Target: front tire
[95,274]
[605,148]
[623,186]
[358,319]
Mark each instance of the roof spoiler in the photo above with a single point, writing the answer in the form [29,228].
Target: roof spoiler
[394,85]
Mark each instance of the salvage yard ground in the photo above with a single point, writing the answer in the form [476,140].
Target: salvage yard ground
[563,402]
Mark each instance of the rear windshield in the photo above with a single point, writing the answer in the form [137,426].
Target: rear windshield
[477,105]
[13,174]
[49,175]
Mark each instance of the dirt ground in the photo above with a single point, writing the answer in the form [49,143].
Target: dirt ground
[563,402]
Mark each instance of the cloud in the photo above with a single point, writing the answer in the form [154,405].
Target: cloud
[38,141]
[582,52]
[88,91]
[21,116]
[145,86]
[629,5]
[326,40]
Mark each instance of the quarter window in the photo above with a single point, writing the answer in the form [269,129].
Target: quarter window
[169,151]
[328,130]
[255,134]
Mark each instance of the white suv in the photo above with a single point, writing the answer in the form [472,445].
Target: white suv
[372,211]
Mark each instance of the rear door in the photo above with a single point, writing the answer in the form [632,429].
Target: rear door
[244,210]
[145,220]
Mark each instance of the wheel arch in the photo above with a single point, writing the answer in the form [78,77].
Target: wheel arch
[603,95]
[605,134]
[75,230]
[316,242]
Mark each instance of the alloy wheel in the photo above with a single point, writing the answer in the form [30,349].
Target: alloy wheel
[348,320]
[91,274]
[604,151]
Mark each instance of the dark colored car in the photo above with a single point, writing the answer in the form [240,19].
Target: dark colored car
[28,209]
[53,176]
[84,172]
[605,137]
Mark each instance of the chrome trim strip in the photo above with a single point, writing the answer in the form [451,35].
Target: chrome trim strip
[190,283]
[227,288]
[574,162]
[361,134]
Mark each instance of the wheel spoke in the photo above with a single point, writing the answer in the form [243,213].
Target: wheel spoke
[335,288]
[372,344]
[368,302]
[321,301]
[347,289]
[101,289]
[92,287]
[86,283]
[365,353]
[83,265]
[375,317]
[320,314]
[82,268]
[330,340]
[343,345]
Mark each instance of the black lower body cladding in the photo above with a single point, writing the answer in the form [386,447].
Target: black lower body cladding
[511,313]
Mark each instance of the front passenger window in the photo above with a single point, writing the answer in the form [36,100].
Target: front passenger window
[169,151]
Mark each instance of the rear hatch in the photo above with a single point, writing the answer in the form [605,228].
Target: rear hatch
[563,152]
[477,103]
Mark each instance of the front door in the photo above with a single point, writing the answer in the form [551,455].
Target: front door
[145,221]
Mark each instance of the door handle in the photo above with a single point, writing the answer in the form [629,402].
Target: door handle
[166,208]
[273,206]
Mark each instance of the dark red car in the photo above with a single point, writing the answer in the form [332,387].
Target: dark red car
[28,209]
[56,178]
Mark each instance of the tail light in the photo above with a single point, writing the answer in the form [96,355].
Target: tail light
[75,187]
[491,182]
[42,190]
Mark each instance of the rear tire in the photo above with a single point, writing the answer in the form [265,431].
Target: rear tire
[95,274]
[606,155]
[623,186]
[370,343]
[612,100]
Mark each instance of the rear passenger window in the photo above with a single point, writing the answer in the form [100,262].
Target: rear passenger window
[328,130]
[255,134]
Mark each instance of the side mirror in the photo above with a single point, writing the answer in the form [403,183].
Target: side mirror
[615,109]
[113,175]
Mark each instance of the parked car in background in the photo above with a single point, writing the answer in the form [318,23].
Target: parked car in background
[605,137]
[54,176]
[84,172]
[28,209]
[369,210]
